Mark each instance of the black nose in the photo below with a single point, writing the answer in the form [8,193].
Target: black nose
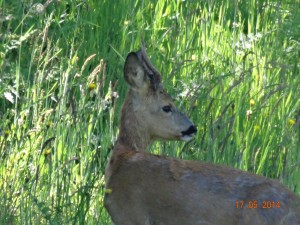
[192,130]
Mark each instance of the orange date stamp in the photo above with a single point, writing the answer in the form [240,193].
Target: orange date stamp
[254,204]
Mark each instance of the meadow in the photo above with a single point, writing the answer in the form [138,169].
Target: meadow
[232,66]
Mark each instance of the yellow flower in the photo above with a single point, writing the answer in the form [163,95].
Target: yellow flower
[256,128]
[47,151]
[48,124]
[6,133]
[92,86]
[291,122]
[252,102]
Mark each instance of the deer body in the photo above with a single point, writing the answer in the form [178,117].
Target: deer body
[147,189]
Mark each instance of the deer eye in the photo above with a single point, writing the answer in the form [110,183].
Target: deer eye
[167,108]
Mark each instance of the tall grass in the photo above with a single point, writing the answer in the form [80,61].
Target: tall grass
[233,66]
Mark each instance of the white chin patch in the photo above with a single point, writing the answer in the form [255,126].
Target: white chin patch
[186,137]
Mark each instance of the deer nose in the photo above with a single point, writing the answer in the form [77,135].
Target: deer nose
[191,130]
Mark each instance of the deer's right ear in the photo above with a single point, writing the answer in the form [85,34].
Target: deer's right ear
[134,72]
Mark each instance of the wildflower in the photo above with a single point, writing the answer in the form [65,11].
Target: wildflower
[37,9]
[256,128]
[92,86]
[6,133]
[47,151]
[249,113]
[48,124]
[26,112]
[20,121]
[236,25]
[252,102]
[194,57]
[291,122]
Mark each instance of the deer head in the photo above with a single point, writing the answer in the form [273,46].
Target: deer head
[148,112]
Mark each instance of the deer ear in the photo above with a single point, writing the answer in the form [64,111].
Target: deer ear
[134,72]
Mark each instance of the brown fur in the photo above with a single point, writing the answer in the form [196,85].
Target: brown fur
[145,189]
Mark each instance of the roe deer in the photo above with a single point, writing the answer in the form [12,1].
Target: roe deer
[146,189]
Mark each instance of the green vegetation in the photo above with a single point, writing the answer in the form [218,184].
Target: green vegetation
[233,65]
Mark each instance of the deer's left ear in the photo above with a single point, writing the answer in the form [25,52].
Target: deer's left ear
[134,72]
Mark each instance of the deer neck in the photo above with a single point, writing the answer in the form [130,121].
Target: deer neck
[125,142]
[132,134]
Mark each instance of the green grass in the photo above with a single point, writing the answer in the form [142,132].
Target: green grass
[233,66]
